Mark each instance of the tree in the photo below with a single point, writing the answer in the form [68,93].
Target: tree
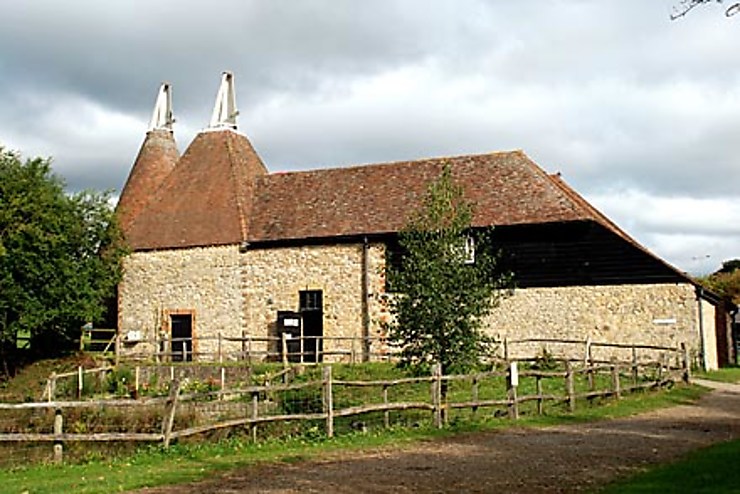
[59,258]
[725,281]
[686,6]
[447,281]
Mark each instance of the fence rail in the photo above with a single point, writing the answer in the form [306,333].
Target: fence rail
[260,404]
[220,348]
[353,349]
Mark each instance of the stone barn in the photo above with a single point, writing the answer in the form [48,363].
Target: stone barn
[221,246]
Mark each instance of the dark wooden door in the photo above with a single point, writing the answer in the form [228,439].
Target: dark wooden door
[311,306]
[182,337]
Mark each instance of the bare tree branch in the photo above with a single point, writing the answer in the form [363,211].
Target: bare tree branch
[686,6]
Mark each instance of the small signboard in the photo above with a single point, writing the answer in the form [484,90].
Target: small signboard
[514,374]
[291,322]
[134,336]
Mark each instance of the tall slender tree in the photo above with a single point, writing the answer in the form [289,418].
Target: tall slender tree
[447,281]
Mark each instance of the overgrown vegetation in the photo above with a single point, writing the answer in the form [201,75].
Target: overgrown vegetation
[59,259]
[725,281]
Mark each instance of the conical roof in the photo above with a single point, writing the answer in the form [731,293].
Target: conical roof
[207,201]
[156,159]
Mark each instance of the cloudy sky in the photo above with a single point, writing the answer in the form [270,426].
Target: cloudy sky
[639,113]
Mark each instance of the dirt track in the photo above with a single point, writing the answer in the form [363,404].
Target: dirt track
[556,459]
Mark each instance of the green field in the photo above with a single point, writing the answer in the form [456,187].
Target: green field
[709,470]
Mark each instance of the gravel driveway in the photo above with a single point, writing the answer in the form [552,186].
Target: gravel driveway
[567,458]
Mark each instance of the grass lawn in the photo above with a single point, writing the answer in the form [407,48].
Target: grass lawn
[727,375]
[711,470]
[181,463]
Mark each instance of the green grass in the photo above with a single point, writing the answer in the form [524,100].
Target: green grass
[727,375]
[713,469]
[187,462]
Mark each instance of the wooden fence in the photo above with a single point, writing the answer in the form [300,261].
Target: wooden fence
[223,363]
[222,348]
[353,349]
[258,405]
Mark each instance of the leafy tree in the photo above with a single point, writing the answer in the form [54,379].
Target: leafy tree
[686,6]
[726,280]
[729,266]
[442,297]
[59,258]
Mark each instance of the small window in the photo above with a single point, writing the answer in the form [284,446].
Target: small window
[469,250]
[310,300]
[464,251]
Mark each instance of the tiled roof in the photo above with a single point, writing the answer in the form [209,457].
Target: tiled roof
[506,188]
[206,200]
[156,159]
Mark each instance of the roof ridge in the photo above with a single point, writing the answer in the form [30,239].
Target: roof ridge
[398,162]
[236,183]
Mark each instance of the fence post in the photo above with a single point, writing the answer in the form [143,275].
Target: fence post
[137,378]
[635,368]
[169,412]
[590,364]
[223,383]
[118,349]
[540,401]
[475,394]
[616,388]
[512,382]
[58,430]
[255,409]
[436,392]
[386,414]
[52,386]
[80,378]
[284,349]
[685,363]
[569,386]
[328,402]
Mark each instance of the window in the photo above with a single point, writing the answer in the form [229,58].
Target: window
[468,250]
[464,251]
[310,300]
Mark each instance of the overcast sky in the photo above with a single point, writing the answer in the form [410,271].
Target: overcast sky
[640,114]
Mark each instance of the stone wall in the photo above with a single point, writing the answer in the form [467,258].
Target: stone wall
[662,314]
[236,293]
[273,278]
[204,282]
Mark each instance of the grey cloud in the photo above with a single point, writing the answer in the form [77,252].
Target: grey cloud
[586,88]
